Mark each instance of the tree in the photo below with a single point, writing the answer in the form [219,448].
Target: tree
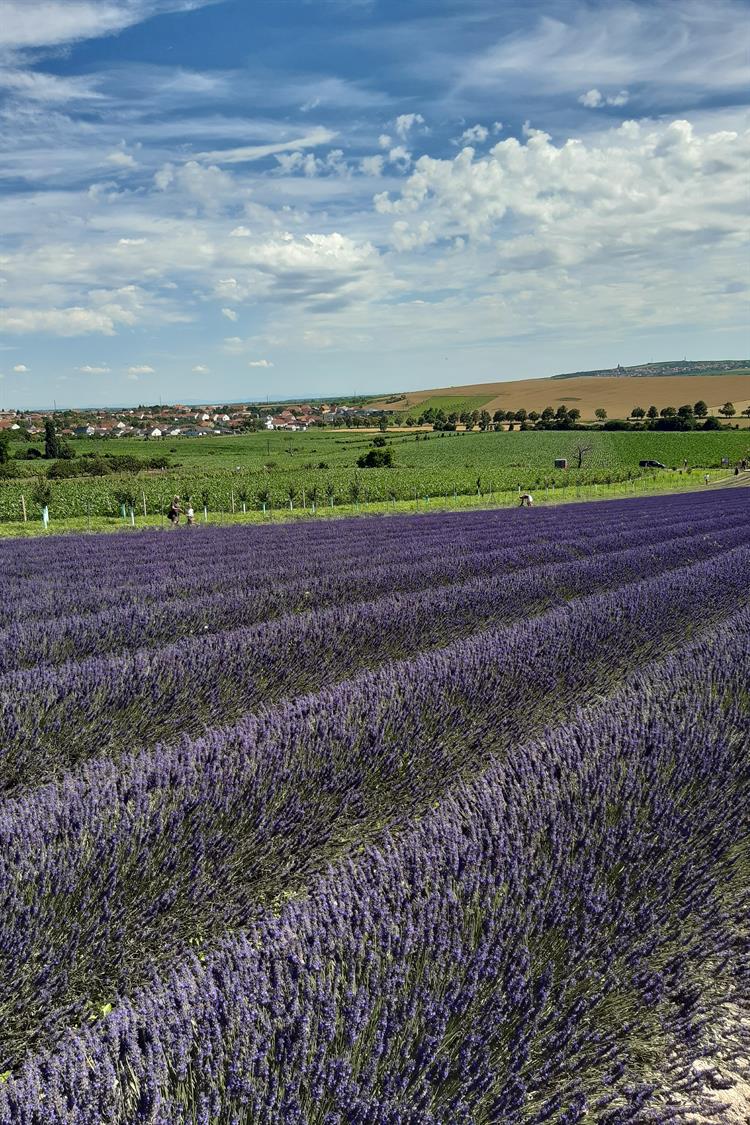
[637,412]
[652,412]
[668,412]
[41,493]
[484,420]
[700,409]
[533,415]
[520,415]
[685,411]
[581,451]
[383,423]
[548,414]
[51,440]
[712,423]
[746,412]
[574,414]
[4,452]
[376,459]
[379,441]
[728,410]
[561,413]
[601,414]
[498,416]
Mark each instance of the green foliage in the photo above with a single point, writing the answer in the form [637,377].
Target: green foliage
[376,459]
[435,465]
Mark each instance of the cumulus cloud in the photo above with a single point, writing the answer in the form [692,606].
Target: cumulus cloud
[20,369]
[201,369]
[230,314]
[400,156]
[371,165]
[93,369]
[138,369]
[594,99]
[542,206]
[407,121]
[260,363]
[476,134]
[71,321]
[121,159]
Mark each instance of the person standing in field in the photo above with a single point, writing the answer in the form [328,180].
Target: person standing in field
[527,500]
[173,515]
[190,515]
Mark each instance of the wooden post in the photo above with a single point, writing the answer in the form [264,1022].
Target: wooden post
[232,499]
[143,494]
[23,507]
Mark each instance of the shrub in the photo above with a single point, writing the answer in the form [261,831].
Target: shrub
[376,459]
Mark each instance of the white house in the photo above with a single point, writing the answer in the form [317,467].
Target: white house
[269,422]
[156,432]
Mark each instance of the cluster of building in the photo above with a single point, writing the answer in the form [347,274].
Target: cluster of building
[181,421]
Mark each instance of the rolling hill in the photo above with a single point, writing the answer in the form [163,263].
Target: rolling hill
[615,394]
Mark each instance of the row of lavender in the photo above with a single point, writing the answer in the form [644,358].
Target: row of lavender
[231,596]
[56,716]
[519,955]
[132,870]
[80,574]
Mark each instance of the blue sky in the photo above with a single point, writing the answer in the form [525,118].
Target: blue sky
[228,200]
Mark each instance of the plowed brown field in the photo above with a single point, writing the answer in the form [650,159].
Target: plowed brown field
[616,395]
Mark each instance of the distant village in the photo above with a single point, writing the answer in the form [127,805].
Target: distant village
[188,421]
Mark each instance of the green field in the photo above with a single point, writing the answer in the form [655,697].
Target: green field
[320,467]
[451,403]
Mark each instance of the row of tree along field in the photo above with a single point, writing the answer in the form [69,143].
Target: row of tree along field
[684,417]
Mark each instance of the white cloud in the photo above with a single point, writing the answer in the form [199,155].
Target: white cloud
[71,321]
[20,369]
[664,44]
[371,165]
[400,156]
[201,369]
[538,211]
[248,153]
[137,369]
[407,121]
[260,363]
[91,369]
[230,314]
[121,159]
[49,23]
[594,99]
[39,87]
[476,134]
[384,140]
[240,232]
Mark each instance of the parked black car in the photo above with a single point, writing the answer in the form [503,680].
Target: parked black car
[651,465]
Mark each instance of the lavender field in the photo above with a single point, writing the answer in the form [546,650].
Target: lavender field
[436,820]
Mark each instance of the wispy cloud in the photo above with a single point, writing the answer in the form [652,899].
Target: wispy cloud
[249,153]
